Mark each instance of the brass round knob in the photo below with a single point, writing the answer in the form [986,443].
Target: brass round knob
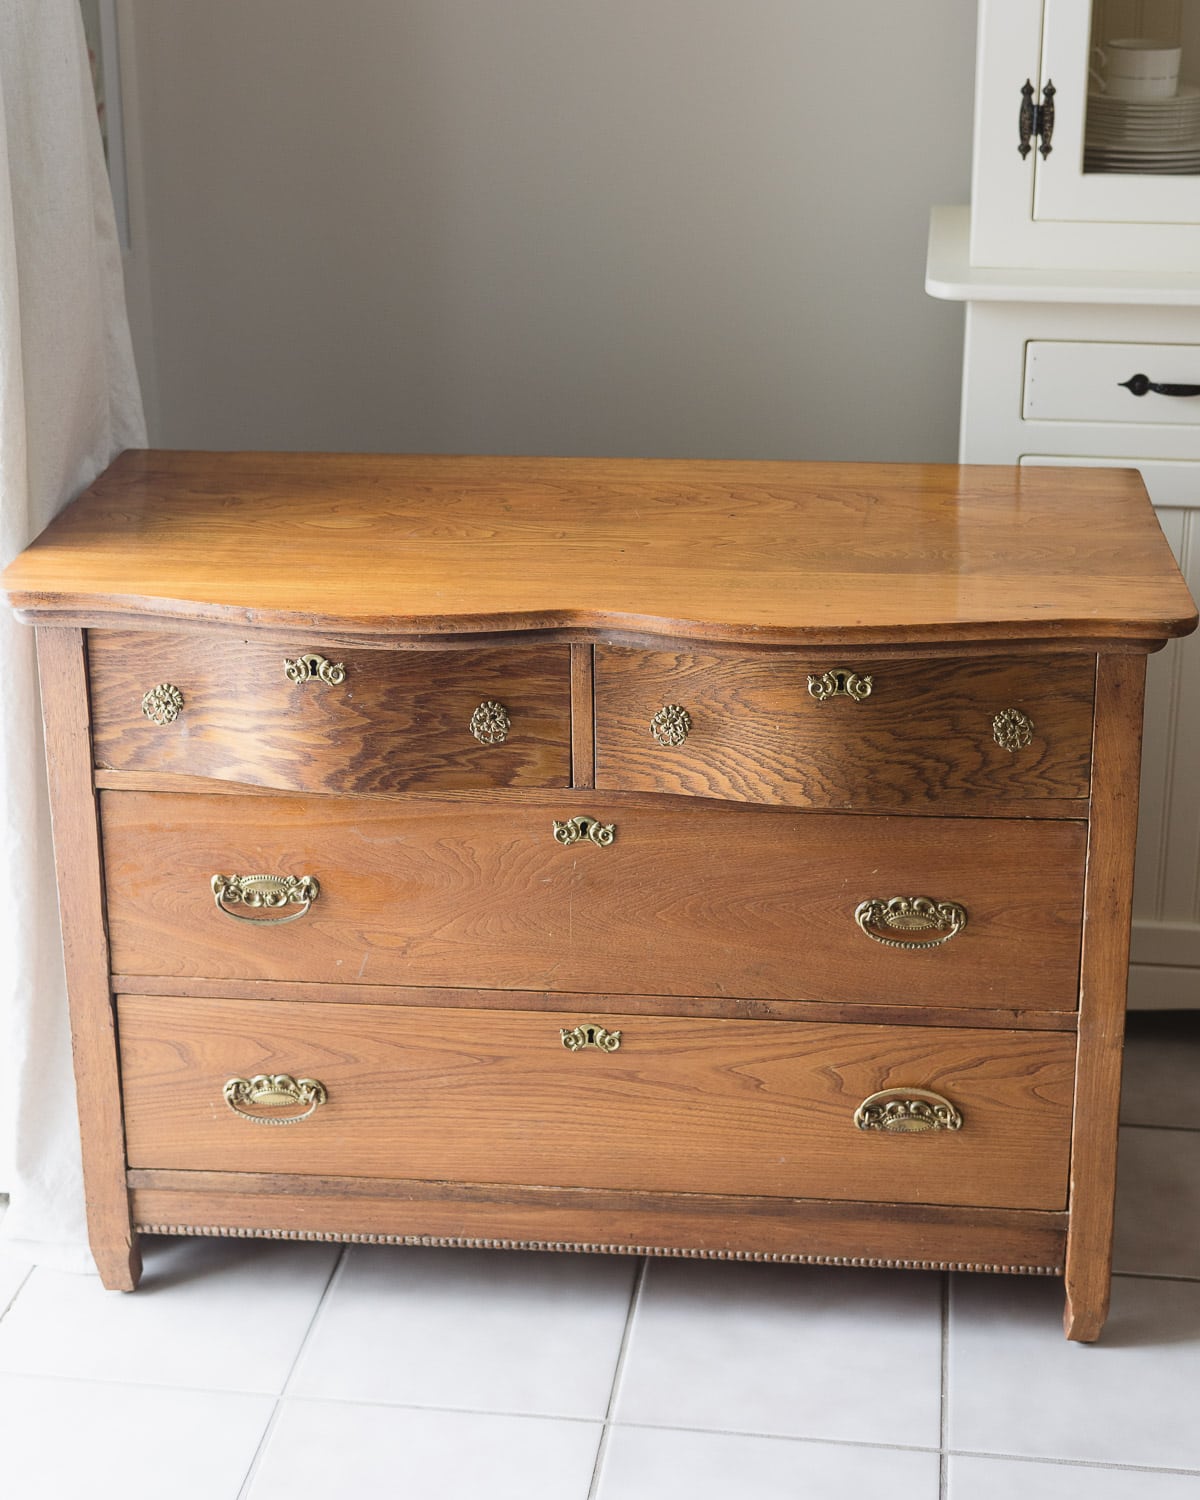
[671,725]
[1012,730]
[490,723]
[163,704]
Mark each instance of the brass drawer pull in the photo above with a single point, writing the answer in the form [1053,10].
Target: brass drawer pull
[910,914]
[671,725]
[575,829]
[1012,730]
[839,682]
[256,891]
[590,1035]
[490,723]
[906,1112]
[265,1090]
[162,704]
[305,668]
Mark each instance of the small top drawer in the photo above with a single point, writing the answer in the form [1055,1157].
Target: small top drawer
[774,727]
[323,719]
[1069,381]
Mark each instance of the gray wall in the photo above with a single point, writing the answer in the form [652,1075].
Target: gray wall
[675,227]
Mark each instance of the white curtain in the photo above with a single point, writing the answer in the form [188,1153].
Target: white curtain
[69,401]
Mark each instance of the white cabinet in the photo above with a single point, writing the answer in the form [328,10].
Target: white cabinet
[1102,181]
[1080,270]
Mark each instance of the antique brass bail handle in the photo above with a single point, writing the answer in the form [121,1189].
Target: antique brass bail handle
[258,892]
[903,1111]
[270,1091]
[910,922]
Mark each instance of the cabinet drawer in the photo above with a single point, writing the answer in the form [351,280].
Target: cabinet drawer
[747,1107]
[385,721]
[690,899]
[924,735]
[1084,382]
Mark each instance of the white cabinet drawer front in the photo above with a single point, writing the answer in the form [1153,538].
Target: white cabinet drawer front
[1084,382]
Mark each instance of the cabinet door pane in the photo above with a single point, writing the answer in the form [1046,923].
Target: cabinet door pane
[1126,138]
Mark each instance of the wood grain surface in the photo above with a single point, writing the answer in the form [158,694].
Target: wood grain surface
[401,720]
[758,1107]
[772,553]
[726,901]
[489,1215]
[924,735]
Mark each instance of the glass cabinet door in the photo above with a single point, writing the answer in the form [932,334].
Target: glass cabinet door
[1099,167]
[1125,142]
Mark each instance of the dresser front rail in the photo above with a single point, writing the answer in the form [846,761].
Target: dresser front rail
[702,1226]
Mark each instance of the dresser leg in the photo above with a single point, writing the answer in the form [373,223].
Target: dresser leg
[120,1266]
[1086,1310]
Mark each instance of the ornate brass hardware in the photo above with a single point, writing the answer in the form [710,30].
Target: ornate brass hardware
[266,1090]
[590,1035]
[257,891]
[162,704]
[490,723]
[671,725]
[839,682]
[915,914]
[305,668]
[575,829]
[1012,730]
[907,1112]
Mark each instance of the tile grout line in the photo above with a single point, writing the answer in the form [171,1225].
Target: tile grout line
[7,1308]
[1072,1463]
[601,1447]
[253,1466]
[943,1424]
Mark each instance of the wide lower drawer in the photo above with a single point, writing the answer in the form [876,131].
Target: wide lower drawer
[350,721]
[782,728]
[673,900]
[679,1105]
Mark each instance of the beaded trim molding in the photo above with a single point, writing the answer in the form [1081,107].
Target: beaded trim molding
[458,1242]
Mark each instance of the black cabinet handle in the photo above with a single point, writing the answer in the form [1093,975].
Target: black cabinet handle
[1140,384]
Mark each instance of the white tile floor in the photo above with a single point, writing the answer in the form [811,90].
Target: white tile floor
[256,1370]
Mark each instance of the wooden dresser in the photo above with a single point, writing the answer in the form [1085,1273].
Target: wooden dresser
[703,859]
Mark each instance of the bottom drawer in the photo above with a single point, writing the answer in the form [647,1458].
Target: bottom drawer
[764,1108]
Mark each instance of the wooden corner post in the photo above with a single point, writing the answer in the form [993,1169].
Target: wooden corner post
[1104,978]
[74,818]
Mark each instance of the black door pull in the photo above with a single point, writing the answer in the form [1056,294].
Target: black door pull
[1140,384]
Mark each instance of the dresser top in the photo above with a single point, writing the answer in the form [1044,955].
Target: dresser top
[753,552]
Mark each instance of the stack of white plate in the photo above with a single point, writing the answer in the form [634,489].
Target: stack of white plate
[1143,135]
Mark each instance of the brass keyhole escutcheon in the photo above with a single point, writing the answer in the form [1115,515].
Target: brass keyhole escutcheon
[839,682]
[309,666]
